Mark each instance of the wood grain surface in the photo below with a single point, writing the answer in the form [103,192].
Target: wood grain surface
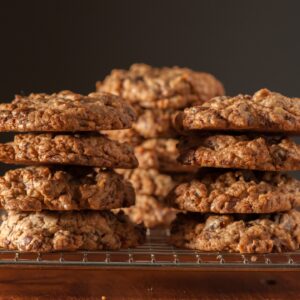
[104,284]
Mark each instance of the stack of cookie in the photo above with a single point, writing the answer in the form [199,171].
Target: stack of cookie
[157,94]
[254,205]
[62,200]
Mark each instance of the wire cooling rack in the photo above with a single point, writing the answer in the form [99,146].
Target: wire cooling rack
[155,253]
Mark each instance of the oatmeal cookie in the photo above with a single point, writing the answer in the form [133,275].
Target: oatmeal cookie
[265,111]
[68,231]
[149,182]
[129,136]
[254,152]
[155,123]
[39,188]
[151,123]
[249,234]
[150,211]
[161,87]
[93,150]
[66,111]
[237,192]
[161,154]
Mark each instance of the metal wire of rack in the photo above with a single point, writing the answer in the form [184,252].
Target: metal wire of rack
[156,252]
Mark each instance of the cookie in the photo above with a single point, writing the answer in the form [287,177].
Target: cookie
[149,182]
[93,150]
[265,111]
[42,188]
[129,136]
[151,123]
[155,123]
[150,212]
[153,183]
[237,192]
[66,111]
[249,234]
[160,154]
[254,152]
[161,87]
[152,187]
[68,231]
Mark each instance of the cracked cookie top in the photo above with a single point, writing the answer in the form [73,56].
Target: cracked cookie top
[85,150]
[161,87]
[237,192]
[254,152]
[66,111]
[68,231]
[265,111]
[39,188]
[245,234]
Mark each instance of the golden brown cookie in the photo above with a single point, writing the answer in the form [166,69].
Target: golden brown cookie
[237,192]
[248,234]
[161,87]
[129,136]
[161,154]
[151,123]
[68,231]
[66,111]
[149,182]
[265,111]
[39,188]
[86,150]
[254,152]
[151,212]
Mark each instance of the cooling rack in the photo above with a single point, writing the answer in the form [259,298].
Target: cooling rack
[155,253]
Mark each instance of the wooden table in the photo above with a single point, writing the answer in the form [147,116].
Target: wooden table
[26,282]
[154,270]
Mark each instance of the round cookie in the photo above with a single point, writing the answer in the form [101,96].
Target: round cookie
[39,188]
[265,111]
[68,231]
[162,88]
[66,111]
[85,150]
[243,192]
[245,234]
[253,152]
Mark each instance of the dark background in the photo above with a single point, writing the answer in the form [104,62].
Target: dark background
[47,46]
